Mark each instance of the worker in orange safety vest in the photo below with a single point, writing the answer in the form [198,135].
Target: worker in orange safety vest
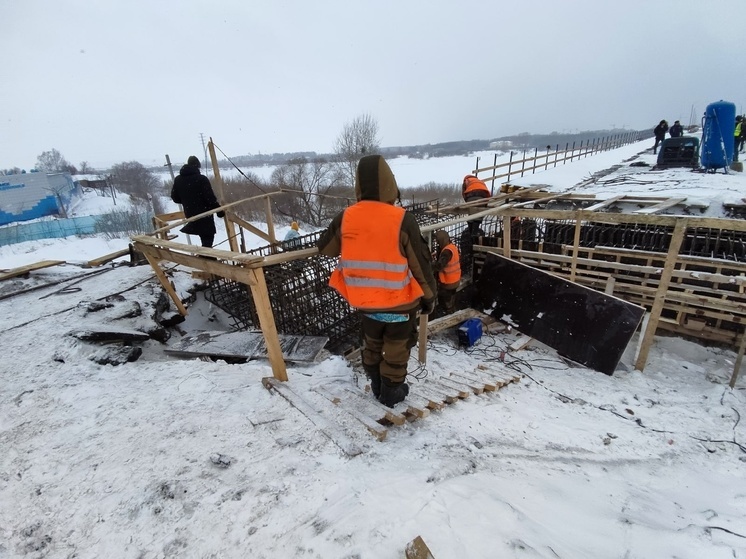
[384,271]
[448,267]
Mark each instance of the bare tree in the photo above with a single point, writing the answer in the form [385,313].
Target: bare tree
[85,169]
[11,171]
[52,162]
[135,179]
[358,138]
[318,190]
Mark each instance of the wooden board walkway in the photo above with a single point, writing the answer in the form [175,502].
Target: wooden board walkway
[358,405]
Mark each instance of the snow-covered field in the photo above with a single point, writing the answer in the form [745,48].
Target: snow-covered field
[167,457]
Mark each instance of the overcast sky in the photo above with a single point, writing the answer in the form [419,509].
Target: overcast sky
[112,81]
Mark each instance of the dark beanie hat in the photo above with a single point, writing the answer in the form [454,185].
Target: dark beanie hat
[193,161]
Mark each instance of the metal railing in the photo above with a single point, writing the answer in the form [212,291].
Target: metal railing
[552,157]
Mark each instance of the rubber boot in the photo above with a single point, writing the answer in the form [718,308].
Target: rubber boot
[392,392]
[375,379]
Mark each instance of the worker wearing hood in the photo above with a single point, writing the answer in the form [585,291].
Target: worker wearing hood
[384,271]
[448,267]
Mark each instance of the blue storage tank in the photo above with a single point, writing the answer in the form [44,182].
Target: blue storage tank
[718,127]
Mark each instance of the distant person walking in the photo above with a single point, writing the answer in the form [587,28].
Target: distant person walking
[742,136]
[193,191]
[676,131]
[660,134]
[737,137]
[384,271]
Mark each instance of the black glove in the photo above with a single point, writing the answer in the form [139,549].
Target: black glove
[220,214]
[428,305]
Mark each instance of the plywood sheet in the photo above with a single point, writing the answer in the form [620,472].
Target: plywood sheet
[587,326]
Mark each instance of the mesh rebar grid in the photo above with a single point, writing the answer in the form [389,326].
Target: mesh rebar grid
[302,301]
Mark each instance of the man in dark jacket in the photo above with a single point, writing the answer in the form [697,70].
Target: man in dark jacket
[384,271]
[193,191]
[676,131]
[660,134]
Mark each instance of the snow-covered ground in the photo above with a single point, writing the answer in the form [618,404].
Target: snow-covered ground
[167,457]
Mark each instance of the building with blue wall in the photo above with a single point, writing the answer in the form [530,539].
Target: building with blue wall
[34,195]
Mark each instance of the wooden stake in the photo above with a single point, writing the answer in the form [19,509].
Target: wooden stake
[267,323]
[165,283]
[422,342]
[229,229]
[737,366]
[660,295]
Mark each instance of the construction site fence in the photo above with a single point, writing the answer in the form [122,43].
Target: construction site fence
[57,228]
[541,160]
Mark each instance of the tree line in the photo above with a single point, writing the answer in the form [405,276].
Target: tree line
[309,189]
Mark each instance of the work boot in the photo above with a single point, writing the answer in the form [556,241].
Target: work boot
[392,392]
[375,379]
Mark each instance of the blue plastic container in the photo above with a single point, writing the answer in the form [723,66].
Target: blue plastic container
[718,127]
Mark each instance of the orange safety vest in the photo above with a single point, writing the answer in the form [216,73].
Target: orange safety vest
[473,184]
[452,272]
[372,273]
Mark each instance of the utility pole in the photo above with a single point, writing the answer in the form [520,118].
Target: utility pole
[204,150]
[171,170]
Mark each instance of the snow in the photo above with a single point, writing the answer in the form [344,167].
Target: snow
[167,457]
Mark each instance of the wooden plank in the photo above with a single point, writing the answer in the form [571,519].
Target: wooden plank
[520,343]
[604,203]
[198,250]
[445,322]
[457,380]
[473,378]
[331,431]
[107,258]
[267,323]
[739,359]
[165,283]
[433,400]
[387,413]
[437,391]
[660,206]
[422,340]
[22,270]
[462,390]
[417,549]
[415,406]
[376,429]
[655,312]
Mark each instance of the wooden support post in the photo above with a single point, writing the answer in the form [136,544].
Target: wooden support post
[737,366]
[660,295]
[507,222]
[575,248]
[166,283]
[422,342]
[229,229]
[270,225]
[267,323]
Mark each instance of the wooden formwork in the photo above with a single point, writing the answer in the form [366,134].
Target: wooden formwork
[698,297]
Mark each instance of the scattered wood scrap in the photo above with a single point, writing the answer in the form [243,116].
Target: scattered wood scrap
[101,260]
[520,343]
[333,432]
[23,270]
[417,549]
